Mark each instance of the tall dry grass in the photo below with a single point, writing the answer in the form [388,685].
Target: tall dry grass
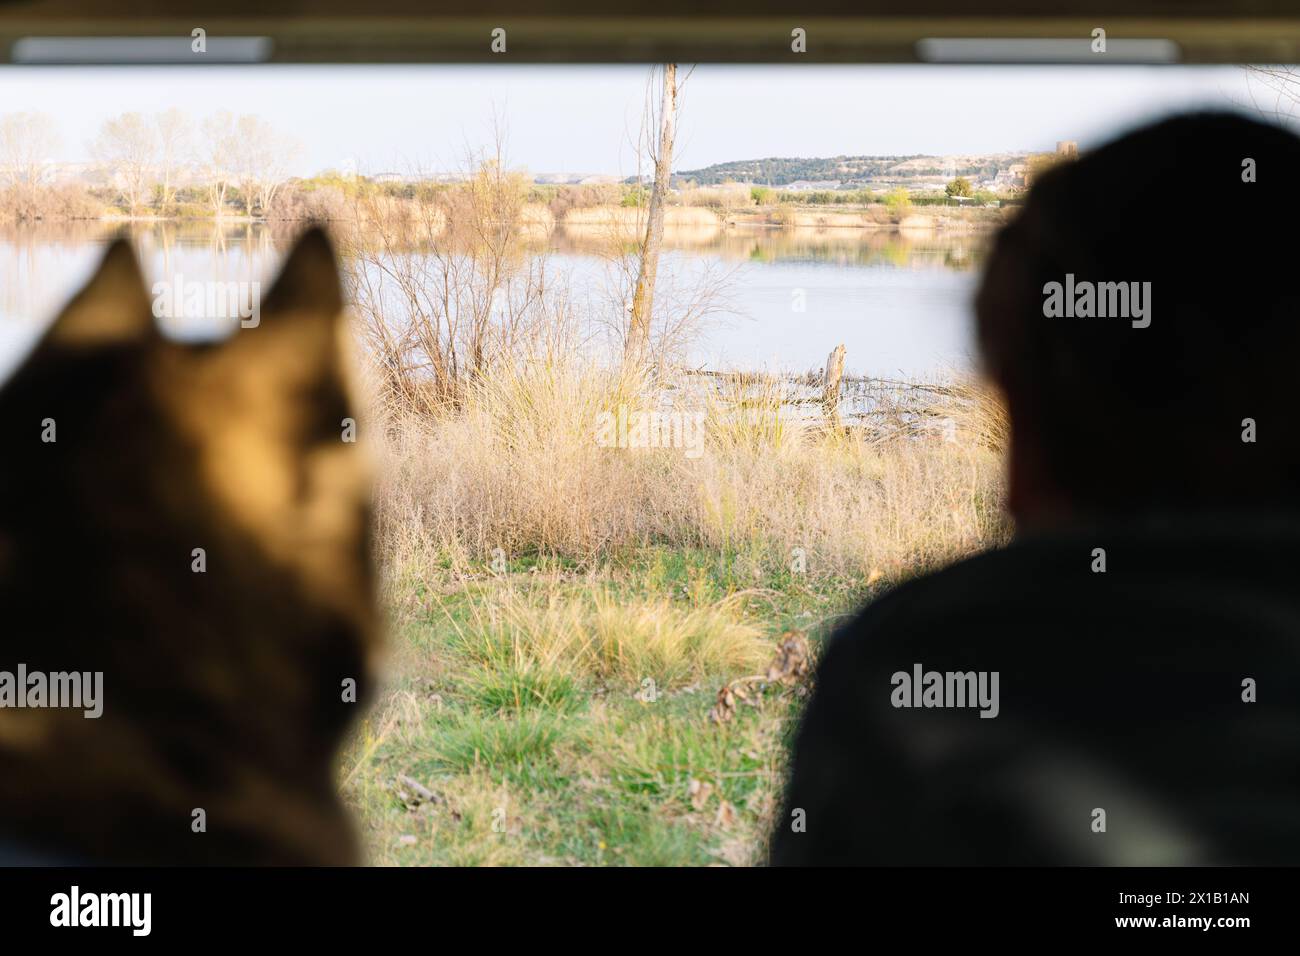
[517,466]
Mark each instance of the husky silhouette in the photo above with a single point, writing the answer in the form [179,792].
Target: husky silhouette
[191,522]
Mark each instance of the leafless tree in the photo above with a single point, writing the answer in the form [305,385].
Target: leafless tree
[27,144]
[218,154]
[262,162]
[446,288]
[173,131]
[638,337]
[688,297]
[127,149]
[654,311]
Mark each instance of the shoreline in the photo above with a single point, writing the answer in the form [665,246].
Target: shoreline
[867,218]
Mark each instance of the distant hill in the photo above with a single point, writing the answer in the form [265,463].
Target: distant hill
[782,171]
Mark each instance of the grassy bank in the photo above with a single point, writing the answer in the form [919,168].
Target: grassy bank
[564,615]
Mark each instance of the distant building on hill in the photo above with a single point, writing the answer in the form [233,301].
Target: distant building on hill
[1013,177]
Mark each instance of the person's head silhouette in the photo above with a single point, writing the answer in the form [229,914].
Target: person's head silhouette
[1142,317]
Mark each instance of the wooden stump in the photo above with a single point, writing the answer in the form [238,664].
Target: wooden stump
[831,384]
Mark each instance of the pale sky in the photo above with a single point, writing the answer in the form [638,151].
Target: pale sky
[585,119]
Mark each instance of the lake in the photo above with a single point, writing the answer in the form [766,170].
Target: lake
[785,296]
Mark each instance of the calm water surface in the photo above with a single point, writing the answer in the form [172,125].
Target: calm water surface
[900,304]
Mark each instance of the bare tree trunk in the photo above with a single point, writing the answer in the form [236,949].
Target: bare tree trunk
[217,196]
[638,336]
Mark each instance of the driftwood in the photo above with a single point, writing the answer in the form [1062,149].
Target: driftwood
[419,792]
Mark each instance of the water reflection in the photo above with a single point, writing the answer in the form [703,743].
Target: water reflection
[899,301]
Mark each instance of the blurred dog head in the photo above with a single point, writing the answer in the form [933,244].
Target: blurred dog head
[193,522]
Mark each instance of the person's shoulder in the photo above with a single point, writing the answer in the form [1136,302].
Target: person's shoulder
[990,582]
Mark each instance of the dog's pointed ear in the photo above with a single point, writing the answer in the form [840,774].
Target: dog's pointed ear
[297,335]
[309,284]
[112,308]
[299,322]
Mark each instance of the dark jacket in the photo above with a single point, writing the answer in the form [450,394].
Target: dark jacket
[1119,691]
